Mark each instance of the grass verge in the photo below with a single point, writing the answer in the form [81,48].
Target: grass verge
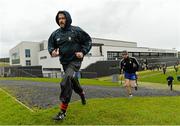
[57,80]
[137,111]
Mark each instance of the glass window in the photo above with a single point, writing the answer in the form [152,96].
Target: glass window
[41,46]
[130,54]
[15,58]
[27,53]
[154,54]
[43,57]
[28,62]
[160,54]
[113,55]
[135,54]
[144,54]
[170,54]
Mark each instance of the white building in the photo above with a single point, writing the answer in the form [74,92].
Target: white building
[25,54]
[36,53]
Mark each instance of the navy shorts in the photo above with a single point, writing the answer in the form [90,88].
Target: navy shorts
[130,76]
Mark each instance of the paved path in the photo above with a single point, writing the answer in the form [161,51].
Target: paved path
[44,95]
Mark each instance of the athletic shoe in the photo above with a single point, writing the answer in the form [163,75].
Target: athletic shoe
[130,96]
[136,88]
[83,100]
[59,116]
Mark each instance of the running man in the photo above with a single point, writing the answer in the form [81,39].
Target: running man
[170,80]
[70,44]
[130,66]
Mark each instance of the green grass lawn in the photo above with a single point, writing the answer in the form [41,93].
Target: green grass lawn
[158,76]
[152,76]
[138,110]
[57,80]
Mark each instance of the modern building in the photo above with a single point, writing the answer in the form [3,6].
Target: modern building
[25,54]
[36,53]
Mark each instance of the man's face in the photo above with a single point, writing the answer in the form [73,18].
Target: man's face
[62,20]
[124,55]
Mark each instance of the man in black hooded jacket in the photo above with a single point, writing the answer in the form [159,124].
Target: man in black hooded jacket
[70,43]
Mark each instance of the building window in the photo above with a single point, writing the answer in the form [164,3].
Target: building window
[15,61]
[160,54]
[28,62]
[43,57]
[27,53]
[144,53]
[170,55]
[154,54]
[100,49]
[41,46]
[113,55]
[15,58]
[135,54]
[130,54]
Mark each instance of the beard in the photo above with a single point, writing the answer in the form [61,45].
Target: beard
[62,25]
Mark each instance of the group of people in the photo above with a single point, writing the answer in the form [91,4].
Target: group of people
[71,44]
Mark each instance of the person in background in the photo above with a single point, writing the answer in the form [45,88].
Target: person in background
[164,68]
[176,68]
[129,65]
[170,80]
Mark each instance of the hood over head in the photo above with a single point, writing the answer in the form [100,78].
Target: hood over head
[68,18]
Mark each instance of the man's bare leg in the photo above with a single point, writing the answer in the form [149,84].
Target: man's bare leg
[128,87]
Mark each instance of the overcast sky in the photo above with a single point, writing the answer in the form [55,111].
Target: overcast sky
[150,23]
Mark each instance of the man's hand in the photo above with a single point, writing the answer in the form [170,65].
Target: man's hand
[121,76]
[137,75]
[55,53]
[79,55]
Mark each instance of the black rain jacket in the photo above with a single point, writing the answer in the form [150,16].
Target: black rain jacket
[69,40]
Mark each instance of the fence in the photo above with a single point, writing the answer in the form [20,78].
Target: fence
[20,71]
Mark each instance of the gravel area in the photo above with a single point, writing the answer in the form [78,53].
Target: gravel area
[45,95]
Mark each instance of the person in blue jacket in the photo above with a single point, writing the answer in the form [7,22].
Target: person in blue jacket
[170,80]
[70,44]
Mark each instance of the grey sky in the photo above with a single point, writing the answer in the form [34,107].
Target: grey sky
[150,23]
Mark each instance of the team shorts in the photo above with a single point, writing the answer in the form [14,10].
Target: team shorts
[130,76]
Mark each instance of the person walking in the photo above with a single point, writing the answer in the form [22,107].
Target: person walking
[164,68]
[176,68]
